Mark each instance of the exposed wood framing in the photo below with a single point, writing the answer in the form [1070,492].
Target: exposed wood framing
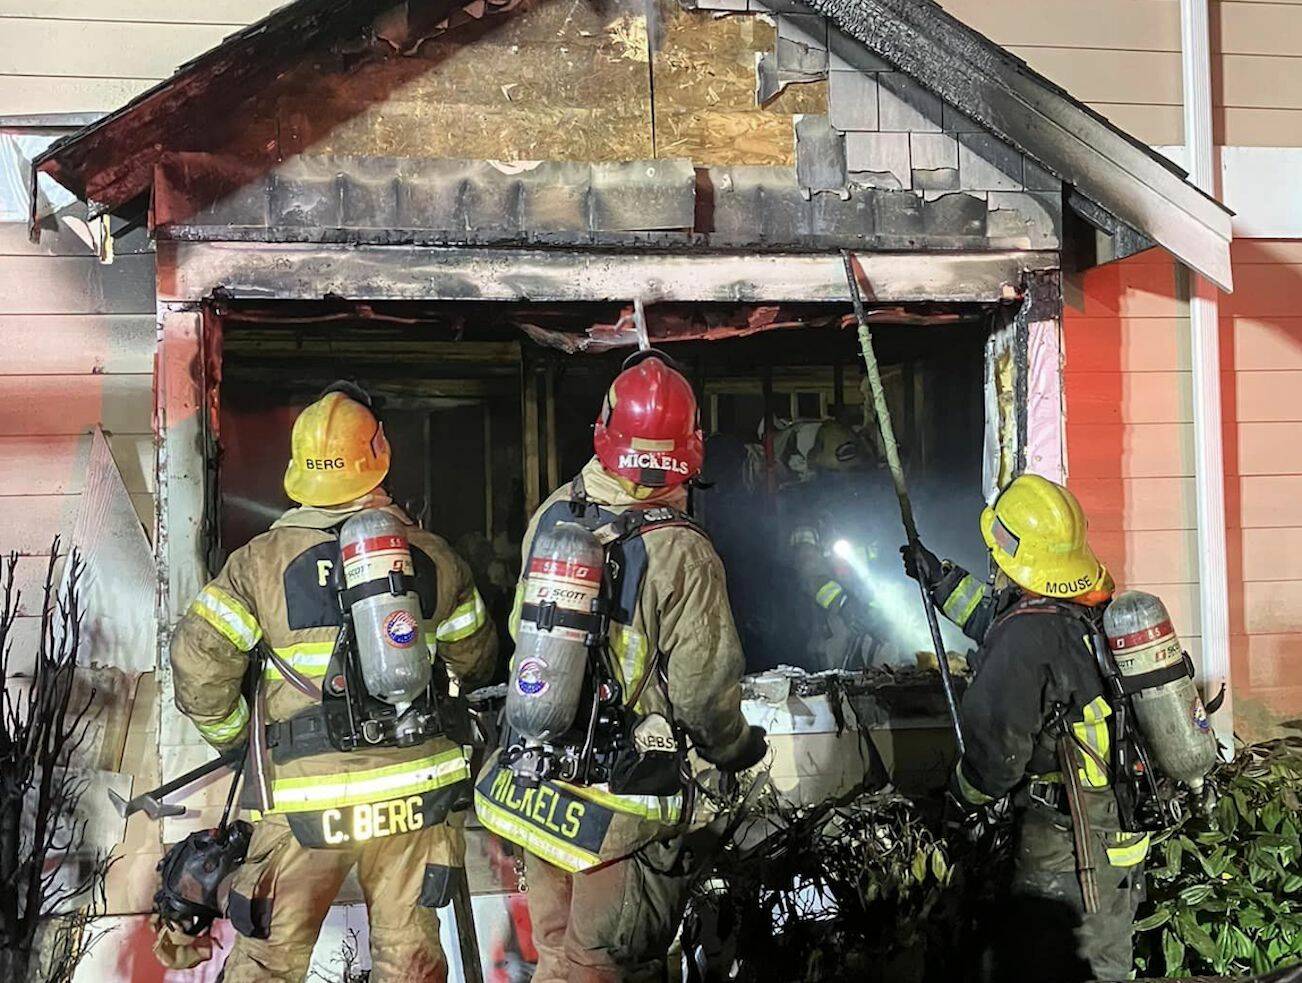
[193,271]
[529,432]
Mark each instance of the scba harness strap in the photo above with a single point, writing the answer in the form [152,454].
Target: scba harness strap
[640,770]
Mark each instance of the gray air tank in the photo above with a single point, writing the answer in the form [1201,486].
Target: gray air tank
[1171,715]
[551,657]
[391,649]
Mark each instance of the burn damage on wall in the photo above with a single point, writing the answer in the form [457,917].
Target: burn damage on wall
[919,127]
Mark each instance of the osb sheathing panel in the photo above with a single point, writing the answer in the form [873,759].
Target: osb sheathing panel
[548,80]
[704,104]
[132,880]
[552,80]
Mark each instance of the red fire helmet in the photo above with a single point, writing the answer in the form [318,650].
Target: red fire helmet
[648,430]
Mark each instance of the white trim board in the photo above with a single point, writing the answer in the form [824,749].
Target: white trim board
[1261,185]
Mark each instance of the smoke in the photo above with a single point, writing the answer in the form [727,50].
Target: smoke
[897,603]
[858,521]
[947,511]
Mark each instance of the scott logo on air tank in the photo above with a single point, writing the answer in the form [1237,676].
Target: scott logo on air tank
[529,679]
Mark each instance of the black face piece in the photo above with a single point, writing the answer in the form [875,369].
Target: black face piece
[641,356]
[352,390]
[192,873]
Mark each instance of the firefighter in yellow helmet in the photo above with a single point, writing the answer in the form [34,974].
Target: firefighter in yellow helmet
[831,622]
[1040,730]
[385,809]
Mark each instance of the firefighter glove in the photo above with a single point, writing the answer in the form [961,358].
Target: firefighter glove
[922,565]
[752,751]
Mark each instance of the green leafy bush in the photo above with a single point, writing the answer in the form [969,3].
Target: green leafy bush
[1225,886]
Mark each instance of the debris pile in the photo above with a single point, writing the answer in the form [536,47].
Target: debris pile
[865,888]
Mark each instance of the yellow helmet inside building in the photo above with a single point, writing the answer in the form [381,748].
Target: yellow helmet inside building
[338,450]
[836,448]
[1036,534]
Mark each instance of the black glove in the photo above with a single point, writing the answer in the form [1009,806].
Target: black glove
[752,751]
[922,565]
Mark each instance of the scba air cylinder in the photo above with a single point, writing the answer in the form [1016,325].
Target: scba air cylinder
[1170,713]
[551,658]
[394,660]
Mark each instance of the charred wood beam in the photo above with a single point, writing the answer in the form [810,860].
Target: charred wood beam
[198,271]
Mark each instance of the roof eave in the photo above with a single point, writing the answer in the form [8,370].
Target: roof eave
[1022,107]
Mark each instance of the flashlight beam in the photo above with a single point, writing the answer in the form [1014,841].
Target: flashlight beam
[887,431]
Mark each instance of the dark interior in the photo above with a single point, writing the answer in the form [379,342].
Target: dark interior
[460,386]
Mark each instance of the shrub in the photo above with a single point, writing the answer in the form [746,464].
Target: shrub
[1224,885]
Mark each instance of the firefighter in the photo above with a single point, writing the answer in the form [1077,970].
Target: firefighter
[379,809]
[607,870]
[834,623]
[1039,728]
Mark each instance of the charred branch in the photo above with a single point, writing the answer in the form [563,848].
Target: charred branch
[43,726]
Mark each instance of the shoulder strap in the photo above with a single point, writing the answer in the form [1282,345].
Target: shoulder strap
[633,522]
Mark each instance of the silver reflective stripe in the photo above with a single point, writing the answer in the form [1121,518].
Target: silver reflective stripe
[227,729]
[466,619]
[228,616]
[330,792]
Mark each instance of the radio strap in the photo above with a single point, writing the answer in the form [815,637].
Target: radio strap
[258,756]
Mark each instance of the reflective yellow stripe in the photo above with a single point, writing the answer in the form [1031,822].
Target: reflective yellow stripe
[1092,733]
[311,659]
[227,729]
[963,600]
[969,791]
[630,649]
[828,593]
[513,622]
[466,619]
[228,616]
[1130,849]
[660,809]
[396,781]
[554,850]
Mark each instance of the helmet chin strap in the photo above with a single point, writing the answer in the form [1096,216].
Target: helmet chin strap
[639,492]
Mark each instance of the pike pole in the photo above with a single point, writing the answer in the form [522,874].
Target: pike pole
[887,431]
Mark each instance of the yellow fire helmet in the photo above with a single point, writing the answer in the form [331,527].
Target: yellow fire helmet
[1036,534]
[339,452]
[836,448]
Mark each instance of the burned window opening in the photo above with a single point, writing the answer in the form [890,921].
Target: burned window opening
[489,406]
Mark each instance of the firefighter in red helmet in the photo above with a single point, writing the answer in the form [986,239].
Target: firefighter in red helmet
[607,864]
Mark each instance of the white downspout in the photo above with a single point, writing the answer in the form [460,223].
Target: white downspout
[1204,333]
